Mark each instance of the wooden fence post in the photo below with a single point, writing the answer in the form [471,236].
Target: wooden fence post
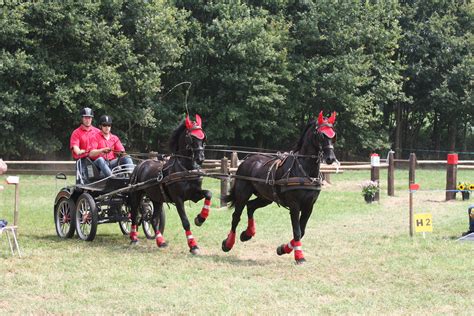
[224,181]
[234,160]
[375,172]
[451,175]
[410,206]
[391,174]
[412,170]
[234,163]
[411,180]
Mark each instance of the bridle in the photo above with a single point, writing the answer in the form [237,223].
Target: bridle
[321,135]
[189,140]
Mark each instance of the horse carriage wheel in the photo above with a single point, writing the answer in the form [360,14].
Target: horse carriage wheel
[64,218]
[147,218]
[86,217]
[125,226]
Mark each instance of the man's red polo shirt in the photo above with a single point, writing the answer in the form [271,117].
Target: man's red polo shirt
[113,143]
[82,138]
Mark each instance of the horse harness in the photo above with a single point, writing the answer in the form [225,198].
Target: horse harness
[162,181]
[284,184]
[186,175]
[287,183]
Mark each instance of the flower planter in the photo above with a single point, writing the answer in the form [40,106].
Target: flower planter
[465,195]
[369,198]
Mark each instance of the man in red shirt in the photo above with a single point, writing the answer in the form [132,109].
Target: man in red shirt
[105,146]
[80,138]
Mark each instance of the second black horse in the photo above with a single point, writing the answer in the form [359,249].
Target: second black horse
[292,180]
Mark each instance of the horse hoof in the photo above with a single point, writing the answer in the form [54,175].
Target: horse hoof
[280,250]
[199,220]
[244,236]
[300,261]
[163,245]
[224,246]
[194,250]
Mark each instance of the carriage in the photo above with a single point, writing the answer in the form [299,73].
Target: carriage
[292,180]
[134,196]
[96,199]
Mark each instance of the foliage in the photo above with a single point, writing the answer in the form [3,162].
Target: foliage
[344,60]
[240,54]
[369,188]
[437,49]
[396,72]
[58,57]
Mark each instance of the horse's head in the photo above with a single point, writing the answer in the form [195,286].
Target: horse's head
[326,135]
[188,140]
[195,139]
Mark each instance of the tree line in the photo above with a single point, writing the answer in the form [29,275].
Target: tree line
[398,73]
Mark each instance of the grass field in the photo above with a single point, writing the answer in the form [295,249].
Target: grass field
[360,259]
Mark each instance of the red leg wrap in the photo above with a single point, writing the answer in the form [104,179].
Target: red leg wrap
[298,250]
[191,241]
[159,239]
[230,241]
[288,248]
[251,228]
[206,208]
[133,233]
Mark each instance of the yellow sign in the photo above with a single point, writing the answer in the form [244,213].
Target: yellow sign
[423,222]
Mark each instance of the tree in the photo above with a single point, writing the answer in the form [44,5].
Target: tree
[238,66]
[344,60]
[59,57]
[437,47]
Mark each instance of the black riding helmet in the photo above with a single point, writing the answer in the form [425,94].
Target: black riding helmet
[86,112]
[105,119]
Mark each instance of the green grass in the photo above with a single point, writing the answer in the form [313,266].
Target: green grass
[360,259]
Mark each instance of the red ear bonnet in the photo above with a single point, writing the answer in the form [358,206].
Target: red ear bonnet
[195,128]
[189,124]
[320,118]
[198,120]
[325,126]
[332,119]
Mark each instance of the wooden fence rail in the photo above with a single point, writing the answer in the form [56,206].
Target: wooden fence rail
[41,167]
[229,166]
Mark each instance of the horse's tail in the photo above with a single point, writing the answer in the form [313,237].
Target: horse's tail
[230,198]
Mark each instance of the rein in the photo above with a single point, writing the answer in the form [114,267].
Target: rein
[277,154]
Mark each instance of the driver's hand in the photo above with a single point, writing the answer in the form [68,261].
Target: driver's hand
[106,150]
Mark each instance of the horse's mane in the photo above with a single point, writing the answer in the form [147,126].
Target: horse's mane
[174,139]
[300,143]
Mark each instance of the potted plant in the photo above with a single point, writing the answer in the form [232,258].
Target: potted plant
[369,189]
[465,189]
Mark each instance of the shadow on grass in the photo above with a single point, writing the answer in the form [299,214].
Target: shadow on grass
[117,243]
[102,241]
[235,261]
[103,238]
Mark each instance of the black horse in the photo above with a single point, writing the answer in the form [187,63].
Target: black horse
[178,183]
[292,180]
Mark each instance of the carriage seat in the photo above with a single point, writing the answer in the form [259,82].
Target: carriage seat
[86,171]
